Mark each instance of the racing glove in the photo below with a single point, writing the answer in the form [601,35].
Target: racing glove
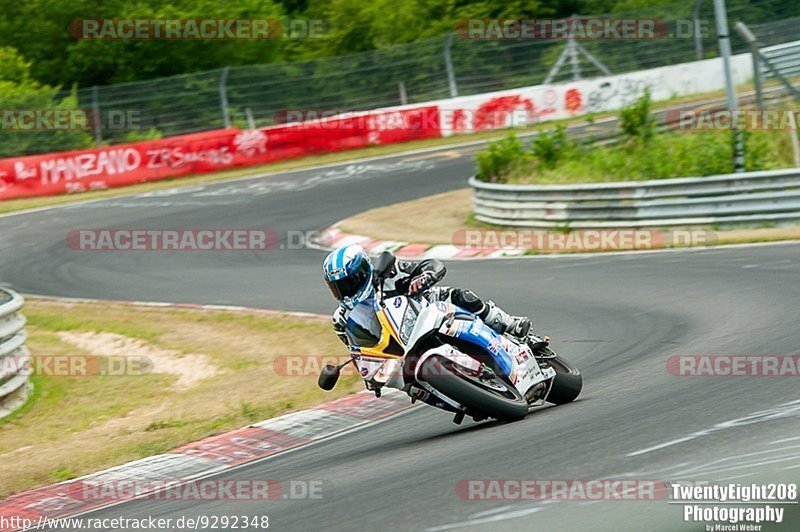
[421,282]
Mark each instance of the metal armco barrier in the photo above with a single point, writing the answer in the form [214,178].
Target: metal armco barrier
[14,356]
[785,57]
[746,198]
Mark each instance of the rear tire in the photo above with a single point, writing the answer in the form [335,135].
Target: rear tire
[568,382]
[474,398]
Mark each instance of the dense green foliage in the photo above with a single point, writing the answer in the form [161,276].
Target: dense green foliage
[18,92]
[641,153]
[501,158]
[551,147]
[39,30]
[364,52]
[636,122]
[672,154]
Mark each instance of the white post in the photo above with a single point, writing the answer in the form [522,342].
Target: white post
[96,118]
[403,97]
[573,59]
[698,38]
[448,63]
[795,146]
[251,123]
[223,98]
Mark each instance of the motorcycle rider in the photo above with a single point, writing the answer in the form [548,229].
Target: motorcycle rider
[350,276]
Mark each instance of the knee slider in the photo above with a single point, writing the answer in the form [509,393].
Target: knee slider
[467,300]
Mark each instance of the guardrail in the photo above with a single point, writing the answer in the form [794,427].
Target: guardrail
[14,355]
[784,57]
[739,199]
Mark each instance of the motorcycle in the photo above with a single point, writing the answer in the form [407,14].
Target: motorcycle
[448,358]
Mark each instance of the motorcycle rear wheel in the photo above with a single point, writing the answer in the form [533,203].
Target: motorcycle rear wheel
[568,382]
[507,405]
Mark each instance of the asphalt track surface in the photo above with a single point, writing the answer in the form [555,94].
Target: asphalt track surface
[619,317]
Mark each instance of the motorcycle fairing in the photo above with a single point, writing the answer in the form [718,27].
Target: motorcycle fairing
[478,333]
[410,322]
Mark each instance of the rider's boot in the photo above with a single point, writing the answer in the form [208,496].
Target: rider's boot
[537,346]
[503,323]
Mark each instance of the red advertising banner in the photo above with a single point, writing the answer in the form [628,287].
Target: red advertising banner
[125,164]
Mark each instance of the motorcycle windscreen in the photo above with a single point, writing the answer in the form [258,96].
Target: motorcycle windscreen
[363,328]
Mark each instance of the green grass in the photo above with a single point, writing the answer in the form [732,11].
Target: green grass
[49,321]
[75,425]
[667,155]
[641,153]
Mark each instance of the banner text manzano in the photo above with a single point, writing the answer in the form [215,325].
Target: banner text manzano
[101,168]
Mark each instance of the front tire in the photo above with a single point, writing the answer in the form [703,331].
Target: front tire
[510,406]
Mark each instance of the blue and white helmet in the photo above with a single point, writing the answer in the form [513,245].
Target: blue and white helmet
[348,274]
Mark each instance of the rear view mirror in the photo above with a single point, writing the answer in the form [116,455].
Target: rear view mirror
[328,377]
[384,264]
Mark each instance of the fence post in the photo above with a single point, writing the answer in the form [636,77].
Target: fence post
[757,80]
[758,58]
[698,38]
[98,127]
[573,59]
[557,66]
[448,61]
[748,36]
[403,97]
[724,39]
[251,122]
[223,98]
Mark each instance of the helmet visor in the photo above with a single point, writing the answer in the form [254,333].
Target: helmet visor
[350,285]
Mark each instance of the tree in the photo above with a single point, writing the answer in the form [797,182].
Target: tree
[18,92]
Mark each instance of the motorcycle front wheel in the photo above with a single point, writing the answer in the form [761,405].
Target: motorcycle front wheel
[491,398]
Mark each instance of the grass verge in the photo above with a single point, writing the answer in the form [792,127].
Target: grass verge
[642,153]
[74,425]
[665,156]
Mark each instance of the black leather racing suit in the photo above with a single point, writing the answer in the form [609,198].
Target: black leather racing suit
[399,279]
